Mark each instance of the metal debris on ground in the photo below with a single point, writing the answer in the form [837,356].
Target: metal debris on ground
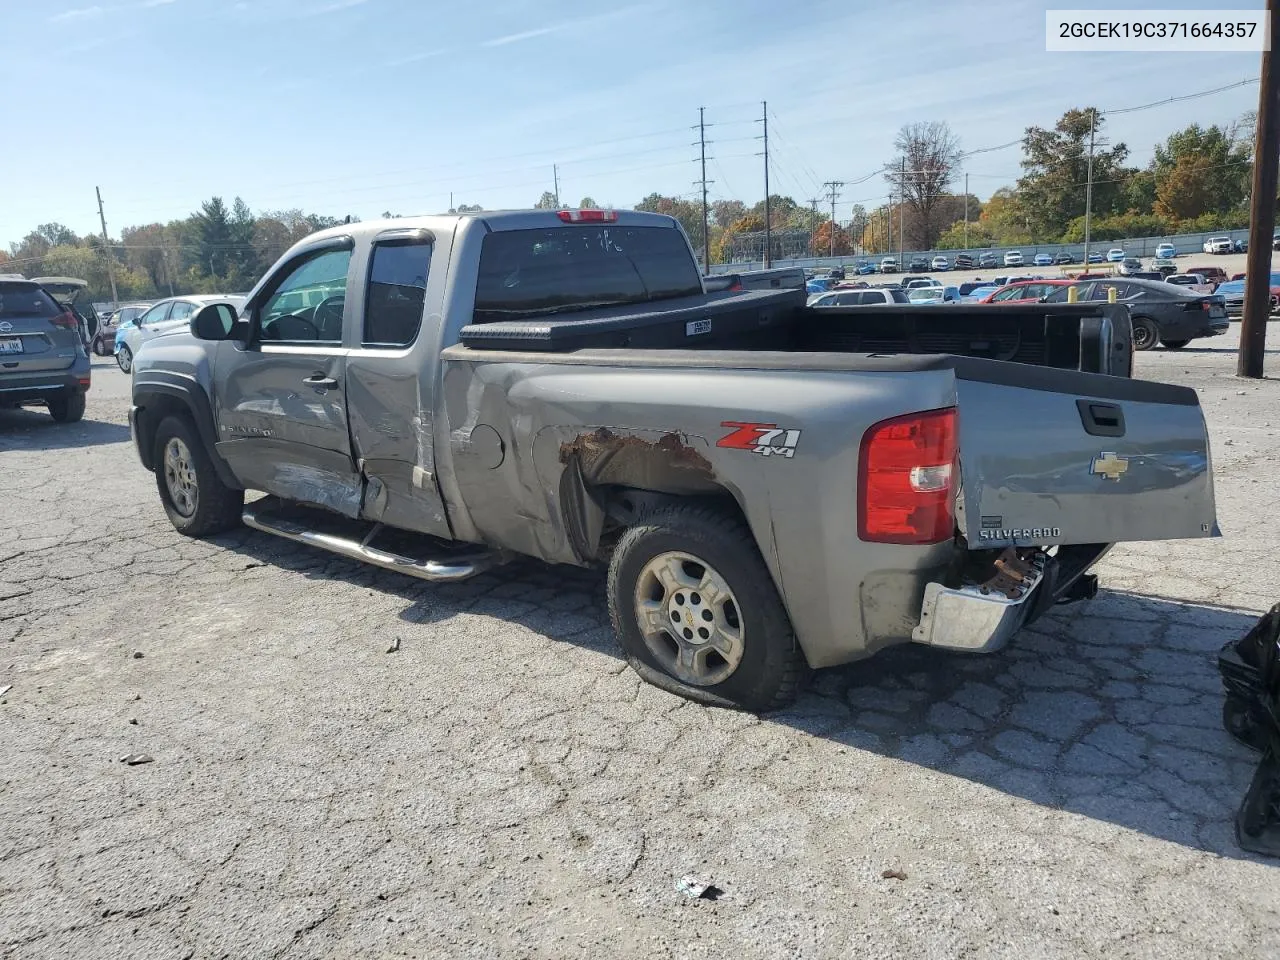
[133,759]
[137,654]
[5,689]
[698,888]
[893,874]
[395,646]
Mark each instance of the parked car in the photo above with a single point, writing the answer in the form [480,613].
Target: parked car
[934,294]
[72,294]
[940,263]
[964,261]
[1232,292]
[1218,245]
[865,267]
[859,298]
[1043,260]
[889,265]
[1013,258]
[1129,266]
[1164,265]
[988,260]
[1241,245]
[1213,275]
[730,573]
[1160,312]
[918,263]
[173,315]
[1023,291]
[1190,280]
[1064,257]
[104,343]
[42,354]
[1146,275]
[818,285]
[978,294]
[909,283]
[1275,241]
[1115,255]
[969,286]
[1095,257]
[1165,251]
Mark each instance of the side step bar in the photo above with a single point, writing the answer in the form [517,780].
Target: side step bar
[259,516]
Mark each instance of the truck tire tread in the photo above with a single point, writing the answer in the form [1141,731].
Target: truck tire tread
[218,507]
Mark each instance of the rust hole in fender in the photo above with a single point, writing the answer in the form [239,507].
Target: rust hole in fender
[666,463]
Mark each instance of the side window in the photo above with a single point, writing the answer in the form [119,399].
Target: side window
[182,310]
[1009,293]
[308,305]
[397,286]
[155,315]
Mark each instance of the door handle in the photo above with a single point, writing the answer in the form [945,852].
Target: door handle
[320,382]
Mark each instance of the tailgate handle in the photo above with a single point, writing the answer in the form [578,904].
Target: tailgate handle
[1101,419]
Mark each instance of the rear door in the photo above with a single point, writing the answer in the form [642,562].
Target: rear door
[36,333]
[1058,456]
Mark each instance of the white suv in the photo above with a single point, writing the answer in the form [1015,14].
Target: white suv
[1013,258]
[1217,245]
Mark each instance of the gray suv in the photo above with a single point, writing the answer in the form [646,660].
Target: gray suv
[42,355]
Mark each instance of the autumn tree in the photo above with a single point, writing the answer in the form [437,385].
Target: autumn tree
[727,212]
[825,243]
[1198,171]
[921,174]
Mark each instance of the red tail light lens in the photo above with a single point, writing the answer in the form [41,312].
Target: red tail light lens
[906,479]
[66,320]
[587,216]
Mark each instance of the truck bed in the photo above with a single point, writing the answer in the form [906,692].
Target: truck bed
[1090,337]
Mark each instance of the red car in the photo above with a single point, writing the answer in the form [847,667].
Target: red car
[1022,291]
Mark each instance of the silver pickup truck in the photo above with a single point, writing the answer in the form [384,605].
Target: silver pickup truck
[772,488]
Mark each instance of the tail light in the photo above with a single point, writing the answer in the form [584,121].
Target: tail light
[66,320]
[587,216]
[906,479]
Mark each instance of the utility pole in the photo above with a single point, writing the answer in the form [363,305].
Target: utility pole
[706,219]
[902,217]
[555,179]
[1262,213]
[106,251]
[966,212]
[1088,185]
[768,231]
[168,274]
[833,193]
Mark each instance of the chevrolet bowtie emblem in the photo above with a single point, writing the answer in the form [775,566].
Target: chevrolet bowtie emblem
[1109,466]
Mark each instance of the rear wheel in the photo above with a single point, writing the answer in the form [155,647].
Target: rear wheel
[67,407]
[196,500]
[125,358]
[697,614]
[1145,333]
[1174,344]
[99,348]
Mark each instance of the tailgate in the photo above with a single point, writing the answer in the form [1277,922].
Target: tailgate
[1057,456]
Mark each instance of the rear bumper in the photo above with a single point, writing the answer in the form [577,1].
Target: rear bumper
[978,618]
[39,386]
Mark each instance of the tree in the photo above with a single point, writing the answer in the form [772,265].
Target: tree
[727,212]
[245,263]
[547,201]
[857,221]
[1052,190]
[145,251]
[213,229]
[587,203]
[821,243]
[57,235]
[688,213]
[928,155]
[1199,171]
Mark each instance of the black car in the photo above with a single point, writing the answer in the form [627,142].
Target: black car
[1065,256]
[918,263]
[1161,312]
[962,262]
[988,260]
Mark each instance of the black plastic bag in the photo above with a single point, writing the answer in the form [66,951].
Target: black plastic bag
[1251,673]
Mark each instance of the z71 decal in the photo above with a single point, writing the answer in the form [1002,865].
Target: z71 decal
[766,439]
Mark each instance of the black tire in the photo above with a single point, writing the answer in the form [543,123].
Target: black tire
[67,407]
[98,349]
[1145,333]
[1174,344]
[217,507]
[771,668]
[124,359]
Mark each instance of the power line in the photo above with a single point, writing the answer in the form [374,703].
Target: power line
[1181,99]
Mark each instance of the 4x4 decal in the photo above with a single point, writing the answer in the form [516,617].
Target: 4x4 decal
[766,439]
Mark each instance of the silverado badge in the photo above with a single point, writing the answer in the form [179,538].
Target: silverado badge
[1109,466]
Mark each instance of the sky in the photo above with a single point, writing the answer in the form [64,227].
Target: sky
[363,106]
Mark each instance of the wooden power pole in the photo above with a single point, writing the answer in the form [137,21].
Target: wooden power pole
[1262,212]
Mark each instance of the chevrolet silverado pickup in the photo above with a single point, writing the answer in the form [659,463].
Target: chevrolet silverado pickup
[771,488]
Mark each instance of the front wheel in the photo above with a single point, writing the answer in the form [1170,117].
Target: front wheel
[1174,344]
[697,614]
[196,500]
[1145,333]
[124,357]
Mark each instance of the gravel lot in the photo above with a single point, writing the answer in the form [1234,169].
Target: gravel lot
[502,786]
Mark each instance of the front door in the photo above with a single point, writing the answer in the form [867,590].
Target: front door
[282,412]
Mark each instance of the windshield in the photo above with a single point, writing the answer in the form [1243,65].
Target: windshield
[924,293]
[559,269]
[25,300]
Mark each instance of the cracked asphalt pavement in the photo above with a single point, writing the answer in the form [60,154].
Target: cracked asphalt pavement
[501,786]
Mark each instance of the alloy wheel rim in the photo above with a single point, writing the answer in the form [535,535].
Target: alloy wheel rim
[180,477]
[690,619]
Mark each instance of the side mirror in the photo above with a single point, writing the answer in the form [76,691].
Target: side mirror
[214,322]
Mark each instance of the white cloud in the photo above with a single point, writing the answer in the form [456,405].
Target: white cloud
[80,13]
[517,37]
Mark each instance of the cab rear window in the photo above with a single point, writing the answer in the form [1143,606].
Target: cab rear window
[25,300]
[561,269]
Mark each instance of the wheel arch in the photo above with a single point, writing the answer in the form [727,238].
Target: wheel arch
[153,400]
